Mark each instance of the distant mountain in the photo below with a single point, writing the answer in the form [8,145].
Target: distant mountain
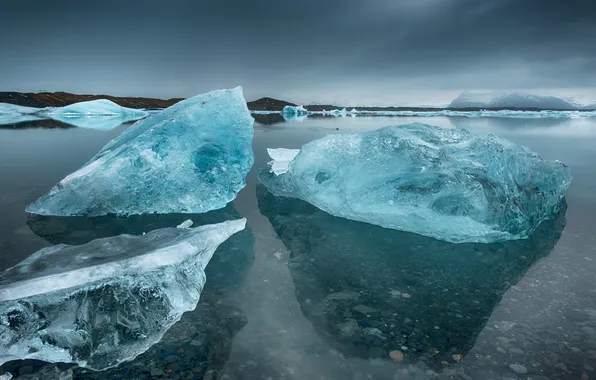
[61,99]
[511,101]
[467,101]
[268,104]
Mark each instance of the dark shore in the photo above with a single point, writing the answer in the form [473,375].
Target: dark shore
[61,99]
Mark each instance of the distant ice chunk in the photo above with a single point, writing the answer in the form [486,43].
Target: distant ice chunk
[13,109]
[191,158]
[106,301]
[99,107]
[446,184]
[281,158]
[336,112]
[95,114]
[100,114]
[291,110]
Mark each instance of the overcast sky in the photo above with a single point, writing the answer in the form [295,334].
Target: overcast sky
[402,52]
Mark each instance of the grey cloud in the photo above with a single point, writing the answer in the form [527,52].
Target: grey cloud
[314,49]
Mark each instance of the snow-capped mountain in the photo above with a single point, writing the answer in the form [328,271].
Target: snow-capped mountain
[514,100]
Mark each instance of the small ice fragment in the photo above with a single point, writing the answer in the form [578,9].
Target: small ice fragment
[281,159]
[185,224]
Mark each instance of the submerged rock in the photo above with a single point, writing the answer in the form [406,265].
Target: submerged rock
[106,301]
[191,158]
[446,184]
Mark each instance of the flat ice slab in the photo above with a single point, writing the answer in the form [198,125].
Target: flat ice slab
[106,301]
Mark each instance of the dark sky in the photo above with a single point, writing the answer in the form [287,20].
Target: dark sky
[344,51]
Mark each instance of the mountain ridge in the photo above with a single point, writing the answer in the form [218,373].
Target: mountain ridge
[61,99]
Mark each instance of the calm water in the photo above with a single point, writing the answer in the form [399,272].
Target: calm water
[304,295]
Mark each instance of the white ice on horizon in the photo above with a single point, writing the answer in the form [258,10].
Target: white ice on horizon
[281,158]
[102,114]
[449,113]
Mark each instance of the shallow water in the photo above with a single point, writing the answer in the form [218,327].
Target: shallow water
[304,295]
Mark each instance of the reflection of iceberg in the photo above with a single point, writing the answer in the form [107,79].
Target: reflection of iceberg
[294,117]
[104,123]
[6,119]
[370,290]
[190,158]
[442,183]
[106,301]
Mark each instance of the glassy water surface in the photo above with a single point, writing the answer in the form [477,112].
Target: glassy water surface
[301,294]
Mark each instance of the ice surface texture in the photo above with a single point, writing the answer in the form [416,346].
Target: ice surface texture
[191,158]
[446,184]
[107,301]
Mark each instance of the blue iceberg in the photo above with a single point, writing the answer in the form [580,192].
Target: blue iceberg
[100,114]
[106,301]
[291,110]
[191,158]
[94,108]
[446,184]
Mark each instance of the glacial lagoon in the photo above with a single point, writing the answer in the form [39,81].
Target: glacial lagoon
[301,294]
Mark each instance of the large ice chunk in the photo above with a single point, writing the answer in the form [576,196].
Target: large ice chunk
[191,158]
[106,301]
[442,183]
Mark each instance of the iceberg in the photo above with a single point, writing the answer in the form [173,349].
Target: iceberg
[99,114]
[106,301]
[13,109]
[291,110]
[446,184]
[190,158]
[96,108]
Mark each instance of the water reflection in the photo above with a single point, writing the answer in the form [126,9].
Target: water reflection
[268,119]
[507,123]
[32,123]
[369,290]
